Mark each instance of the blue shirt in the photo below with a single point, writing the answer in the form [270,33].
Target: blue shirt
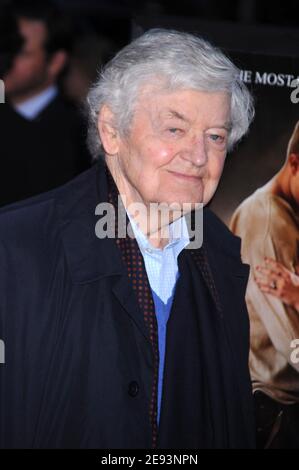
[162,272]
[32,107]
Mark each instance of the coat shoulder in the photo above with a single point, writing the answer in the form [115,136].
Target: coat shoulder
[31,233]
[38,214]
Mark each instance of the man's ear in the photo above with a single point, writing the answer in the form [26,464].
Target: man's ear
[57,63]
[108,133]
[294,162]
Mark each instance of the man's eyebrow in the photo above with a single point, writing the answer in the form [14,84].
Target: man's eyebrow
[177,115]
[227,126]
[173,113]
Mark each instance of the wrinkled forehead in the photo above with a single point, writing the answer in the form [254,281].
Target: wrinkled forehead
[184,105]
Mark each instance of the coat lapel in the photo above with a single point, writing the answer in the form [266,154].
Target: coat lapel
[227,288]
[90,258]
[219,260]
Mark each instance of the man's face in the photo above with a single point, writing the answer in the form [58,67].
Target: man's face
[176,148]
[30,69]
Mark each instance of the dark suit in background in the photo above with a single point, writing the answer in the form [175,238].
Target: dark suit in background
[40,154]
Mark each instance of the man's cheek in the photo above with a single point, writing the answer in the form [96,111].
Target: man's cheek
[161,155]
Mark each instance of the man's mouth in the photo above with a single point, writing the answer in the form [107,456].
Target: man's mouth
[186,177]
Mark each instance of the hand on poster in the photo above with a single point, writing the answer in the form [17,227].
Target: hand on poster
[273,278]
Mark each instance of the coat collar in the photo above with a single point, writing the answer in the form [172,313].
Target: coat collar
[89,258]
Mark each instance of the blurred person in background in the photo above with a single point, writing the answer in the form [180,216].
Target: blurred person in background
[42,135]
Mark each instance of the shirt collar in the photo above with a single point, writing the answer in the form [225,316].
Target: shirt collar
[31,108]
[178,232]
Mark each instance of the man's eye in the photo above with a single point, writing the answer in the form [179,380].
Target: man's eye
[217,138]
[175,130]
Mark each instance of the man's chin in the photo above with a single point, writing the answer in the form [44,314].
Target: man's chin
[178,209]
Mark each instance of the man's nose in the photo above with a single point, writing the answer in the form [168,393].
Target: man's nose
[197,151]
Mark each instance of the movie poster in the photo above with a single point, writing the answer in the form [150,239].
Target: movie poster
[259,200]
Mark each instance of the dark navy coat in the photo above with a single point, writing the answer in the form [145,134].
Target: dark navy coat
[78,361]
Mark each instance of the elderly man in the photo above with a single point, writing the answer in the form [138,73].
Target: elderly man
[138,340]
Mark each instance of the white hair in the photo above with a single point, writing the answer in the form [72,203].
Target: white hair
[182,61]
